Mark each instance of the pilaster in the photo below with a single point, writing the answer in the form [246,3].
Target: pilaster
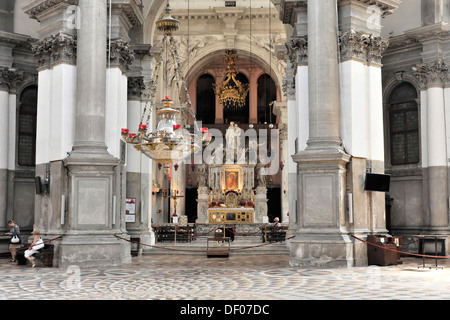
[433,77]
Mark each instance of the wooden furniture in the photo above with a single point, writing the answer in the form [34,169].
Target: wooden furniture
[44,258]
[174,233]
[274,234]
[218,250]
[377,253]
[434,239]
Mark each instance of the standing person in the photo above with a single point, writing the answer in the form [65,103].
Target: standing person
[14,233]
[34,247]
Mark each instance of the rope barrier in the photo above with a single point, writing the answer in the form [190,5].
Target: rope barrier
[184,250]
[407,253]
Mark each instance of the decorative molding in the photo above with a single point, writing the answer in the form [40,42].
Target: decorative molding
[362,46]
[60,48]
[10,79]
[353,44]
[387,7]
[34,8]
[136,88]
[298,50]
[122,55]
[432,74]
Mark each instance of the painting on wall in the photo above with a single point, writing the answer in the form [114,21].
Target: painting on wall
[231,179]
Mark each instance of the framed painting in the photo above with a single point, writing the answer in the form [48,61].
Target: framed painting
[231,179]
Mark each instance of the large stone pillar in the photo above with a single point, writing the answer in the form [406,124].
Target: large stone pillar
[322,238]
[95,188]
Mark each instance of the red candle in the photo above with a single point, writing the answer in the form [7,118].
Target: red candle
[126,131]
[142,127]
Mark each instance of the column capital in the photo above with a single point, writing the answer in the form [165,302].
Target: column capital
[298,50]
[10,78]
[432,74]
[59,48]
[136,88]
[362,46]
[122,55]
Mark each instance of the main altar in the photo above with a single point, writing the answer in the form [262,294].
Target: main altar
[233,192]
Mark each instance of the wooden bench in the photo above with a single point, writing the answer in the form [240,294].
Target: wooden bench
[44,258]
[274,234]
[218,251]
[168,234]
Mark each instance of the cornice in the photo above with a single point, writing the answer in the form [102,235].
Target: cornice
[34,8]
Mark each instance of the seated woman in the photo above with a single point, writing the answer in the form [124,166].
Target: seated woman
[35,246]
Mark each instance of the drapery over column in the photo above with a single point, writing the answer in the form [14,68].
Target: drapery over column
[322,239]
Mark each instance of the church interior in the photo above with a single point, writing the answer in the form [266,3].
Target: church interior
[299,127]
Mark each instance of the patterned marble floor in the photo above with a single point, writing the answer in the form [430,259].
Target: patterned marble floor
[164,277]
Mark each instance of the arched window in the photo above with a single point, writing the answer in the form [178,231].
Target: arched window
[267,93]
[27,127]
[404,125]
[206,99]
[241,115]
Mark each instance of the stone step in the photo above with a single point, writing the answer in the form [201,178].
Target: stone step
[248,246]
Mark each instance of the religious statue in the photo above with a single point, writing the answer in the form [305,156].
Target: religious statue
[202,175]
[262,179]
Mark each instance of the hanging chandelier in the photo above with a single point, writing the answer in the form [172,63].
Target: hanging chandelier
[170,142]
[232,93]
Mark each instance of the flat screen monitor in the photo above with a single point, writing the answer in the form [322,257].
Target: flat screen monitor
[377,182]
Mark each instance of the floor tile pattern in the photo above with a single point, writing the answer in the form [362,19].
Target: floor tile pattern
[234,278]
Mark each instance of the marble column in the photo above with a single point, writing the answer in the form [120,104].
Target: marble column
[322,239]
[95,187]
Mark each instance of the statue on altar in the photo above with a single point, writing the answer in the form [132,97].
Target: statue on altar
[229,192]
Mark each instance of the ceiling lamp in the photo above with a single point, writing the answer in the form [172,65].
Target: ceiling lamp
[232,93]
[170,142]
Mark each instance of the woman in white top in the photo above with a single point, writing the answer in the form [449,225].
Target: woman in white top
[35,246]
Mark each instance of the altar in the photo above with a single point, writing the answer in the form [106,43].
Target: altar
[232,192]
[231,216]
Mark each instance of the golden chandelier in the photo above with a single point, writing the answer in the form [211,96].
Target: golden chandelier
[231,93]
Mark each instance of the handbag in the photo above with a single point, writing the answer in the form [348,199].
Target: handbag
[39,245]
[15,239]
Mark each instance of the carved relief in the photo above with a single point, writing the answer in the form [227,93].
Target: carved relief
[298,50]
[432,73]
[362,46]
[121,54]
[10,79]
[136,87]
[56,49]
